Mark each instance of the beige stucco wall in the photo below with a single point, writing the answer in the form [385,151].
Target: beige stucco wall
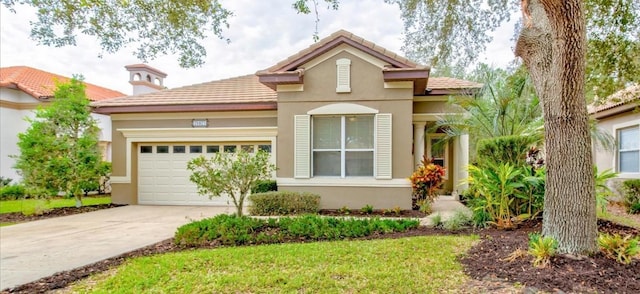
[358,197]
[126,193]
[435,106]
[605,159]
[367,89]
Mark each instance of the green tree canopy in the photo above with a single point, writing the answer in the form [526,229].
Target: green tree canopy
[157,27]
[450,35]
[59,151]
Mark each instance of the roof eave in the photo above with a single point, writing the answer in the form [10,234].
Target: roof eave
[294,64]
[185,108]
[273,79]
[614,110]
[469,91]
[419,77]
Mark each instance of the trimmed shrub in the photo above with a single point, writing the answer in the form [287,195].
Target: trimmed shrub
[632,195]
[235,230]
[5,181]
[284,203]
[12,192]
[264,186]
[511,149]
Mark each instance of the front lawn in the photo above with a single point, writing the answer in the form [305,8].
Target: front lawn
[30,206]
[408,265]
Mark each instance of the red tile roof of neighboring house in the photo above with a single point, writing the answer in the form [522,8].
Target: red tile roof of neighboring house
[616,99]
[41,84]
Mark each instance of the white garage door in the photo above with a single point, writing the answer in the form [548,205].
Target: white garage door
[163,178]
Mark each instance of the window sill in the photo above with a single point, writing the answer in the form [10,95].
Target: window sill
[628,176]
[344,182]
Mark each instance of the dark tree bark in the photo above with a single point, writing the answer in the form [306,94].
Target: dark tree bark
[552,45]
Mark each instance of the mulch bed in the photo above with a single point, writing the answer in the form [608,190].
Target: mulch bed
[377,212]
[18,217]
[485,262]
[595,274]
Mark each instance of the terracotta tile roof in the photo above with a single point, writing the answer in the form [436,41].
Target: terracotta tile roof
[451,83]
[624,96]
[238,90]
[334,40]
[41,84]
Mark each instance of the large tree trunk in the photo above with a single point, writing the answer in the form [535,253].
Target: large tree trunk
[552,45]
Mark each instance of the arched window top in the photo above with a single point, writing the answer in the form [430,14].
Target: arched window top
[137,77]
[342,108]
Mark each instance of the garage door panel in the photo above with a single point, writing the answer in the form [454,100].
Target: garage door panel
[163,178]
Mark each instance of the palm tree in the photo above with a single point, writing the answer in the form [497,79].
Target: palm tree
[507,105]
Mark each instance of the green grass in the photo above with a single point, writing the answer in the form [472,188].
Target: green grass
[409,265]
[30,206]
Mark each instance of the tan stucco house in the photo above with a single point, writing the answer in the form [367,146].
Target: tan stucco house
[344,118]
[620,117]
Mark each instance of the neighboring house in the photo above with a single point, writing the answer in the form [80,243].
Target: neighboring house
[344,118]
[22,90]
[620,117]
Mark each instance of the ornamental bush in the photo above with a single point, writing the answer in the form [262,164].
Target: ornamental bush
[242,230]
[284,203]
[264,186]
[426,181]
[632,195]
[12,192]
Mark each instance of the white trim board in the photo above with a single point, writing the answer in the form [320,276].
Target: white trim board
[343,182]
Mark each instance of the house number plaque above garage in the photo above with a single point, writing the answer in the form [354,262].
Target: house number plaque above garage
[199,123]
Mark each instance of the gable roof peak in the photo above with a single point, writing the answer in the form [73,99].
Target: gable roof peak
[337,38]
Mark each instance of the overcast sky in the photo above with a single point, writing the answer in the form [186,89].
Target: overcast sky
[261,32]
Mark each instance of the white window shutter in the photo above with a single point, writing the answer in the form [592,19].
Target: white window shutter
[383,166]
[302,148]
[343,74]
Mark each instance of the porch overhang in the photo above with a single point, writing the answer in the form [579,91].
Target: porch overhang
[273,79]
[419,77]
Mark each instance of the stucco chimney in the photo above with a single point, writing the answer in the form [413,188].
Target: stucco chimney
[145,79]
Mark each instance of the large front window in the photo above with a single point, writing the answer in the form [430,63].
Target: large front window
[343,145]
[629,150]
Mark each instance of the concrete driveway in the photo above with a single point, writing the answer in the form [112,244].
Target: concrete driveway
[38,249]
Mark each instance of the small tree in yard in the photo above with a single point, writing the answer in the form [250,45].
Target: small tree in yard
[59,151]
[233,174]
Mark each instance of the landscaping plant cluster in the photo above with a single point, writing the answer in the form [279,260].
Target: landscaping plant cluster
[242,230]
[506,185]
[426,181]
[632,195]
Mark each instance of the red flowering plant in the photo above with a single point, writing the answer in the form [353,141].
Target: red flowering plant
[426,181]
